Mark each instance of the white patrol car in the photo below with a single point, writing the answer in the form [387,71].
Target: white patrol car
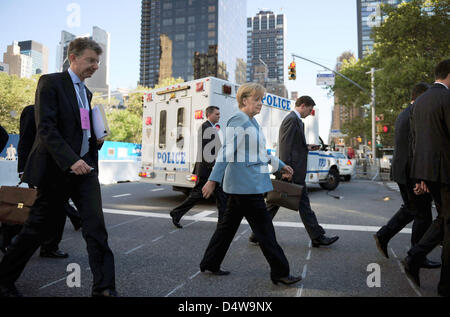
[173,115]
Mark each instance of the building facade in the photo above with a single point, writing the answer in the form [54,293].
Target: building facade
[19,64]
[99,82]
[266,34]
[369,16]
[4,68]
[39,55]
[192,39]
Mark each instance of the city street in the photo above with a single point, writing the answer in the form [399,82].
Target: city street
[154,259]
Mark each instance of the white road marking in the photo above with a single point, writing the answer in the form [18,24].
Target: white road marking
[193,276]
[309,255]
[122,195]
[401,267]
[244,232]
[305,268]
[175,289]
[52,283]
[395,255]
[275,223]
[156,239]
[300,290]
[132,250]
[203,214]
[123,223]
[236,239]
[157,189]
[310,244]
[185,226]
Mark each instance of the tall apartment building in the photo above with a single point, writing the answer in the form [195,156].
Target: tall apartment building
[4,68]
[369,16]
[192,39]
[19,64]
[266,58]
[99,82]
[39,55]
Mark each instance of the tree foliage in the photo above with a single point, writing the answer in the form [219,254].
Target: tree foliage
[15,94]
[408,44]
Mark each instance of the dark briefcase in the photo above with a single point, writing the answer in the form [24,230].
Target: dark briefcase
[285,194]
[15,203]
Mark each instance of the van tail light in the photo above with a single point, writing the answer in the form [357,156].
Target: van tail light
[349,162]
[192,178]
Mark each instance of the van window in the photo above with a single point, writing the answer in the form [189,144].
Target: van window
[162,129]
[180,126]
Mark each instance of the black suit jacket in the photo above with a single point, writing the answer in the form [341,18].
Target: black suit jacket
[401,161]
[205,164]
[59,135]
[27,136]
[430,131]
[3,138]
[293,149]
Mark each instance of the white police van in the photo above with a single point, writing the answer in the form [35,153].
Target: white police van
[173,115]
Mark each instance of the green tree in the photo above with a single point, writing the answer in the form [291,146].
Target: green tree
[102,99]
[408,44]
[15,94]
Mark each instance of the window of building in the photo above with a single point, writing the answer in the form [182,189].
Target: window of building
[191,19]
[211,8]
[162,129]
[211,34]
[211,17]
[180,126]
[167,22]
[179,37]
[211,26]
[167,5]
[181,20]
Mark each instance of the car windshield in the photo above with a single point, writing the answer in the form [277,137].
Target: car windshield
[339,155]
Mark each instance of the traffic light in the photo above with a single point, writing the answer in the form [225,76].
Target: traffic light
[385,129]
[292,72]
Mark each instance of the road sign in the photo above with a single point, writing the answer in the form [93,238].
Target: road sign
[325,79]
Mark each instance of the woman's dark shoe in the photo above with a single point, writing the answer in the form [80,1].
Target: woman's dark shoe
[381,245]
[216,272]
[287,280]
[175,220]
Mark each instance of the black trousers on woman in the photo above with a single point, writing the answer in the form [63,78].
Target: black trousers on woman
[253,208]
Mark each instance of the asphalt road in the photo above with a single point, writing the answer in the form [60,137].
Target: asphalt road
[154,259]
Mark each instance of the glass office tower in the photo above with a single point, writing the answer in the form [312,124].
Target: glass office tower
[192,39]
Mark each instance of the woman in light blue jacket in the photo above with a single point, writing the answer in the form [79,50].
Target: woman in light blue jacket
[242,164]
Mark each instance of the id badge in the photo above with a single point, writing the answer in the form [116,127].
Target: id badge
[84,116]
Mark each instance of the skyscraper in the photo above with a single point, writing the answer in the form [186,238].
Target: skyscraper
[19,64]
[192,39]
[266,61]
[39,55]
[369,16]
[99,82]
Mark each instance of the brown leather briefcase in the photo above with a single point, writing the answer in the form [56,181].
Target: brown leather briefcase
[15,203]
[285,194]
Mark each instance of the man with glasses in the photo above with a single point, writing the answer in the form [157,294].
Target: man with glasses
[63,164]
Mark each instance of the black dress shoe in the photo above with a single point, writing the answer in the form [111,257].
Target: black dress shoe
[58,254]
[175,221]
[428,264]
[382,246]
[215,272]
[323,240]
[105,293]
[9,291]
[286,280]
[412,269]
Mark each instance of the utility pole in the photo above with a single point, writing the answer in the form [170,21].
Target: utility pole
[372,75]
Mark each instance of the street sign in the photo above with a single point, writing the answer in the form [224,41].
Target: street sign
[325,79]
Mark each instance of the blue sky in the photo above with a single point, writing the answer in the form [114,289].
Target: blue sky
[320,30]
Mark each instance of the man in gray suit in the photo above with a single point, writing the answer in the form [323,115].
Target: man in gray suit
[293,150]
[414,207]
[430,129]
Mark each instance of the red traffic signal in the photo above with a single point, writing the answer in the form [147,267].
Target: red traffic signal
[385,129]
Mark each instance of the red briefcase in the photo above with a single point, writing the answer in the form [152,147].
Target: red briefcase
[15,203]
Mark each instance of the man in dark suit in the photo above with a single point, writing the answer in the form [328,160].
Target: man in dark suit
[417,208]
[293,150]
[210,144]
[3,138]
[50,247]
[63,164]
[430,129]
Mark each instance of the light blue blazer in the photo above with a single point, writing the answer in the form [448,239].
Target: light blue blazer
[242,162]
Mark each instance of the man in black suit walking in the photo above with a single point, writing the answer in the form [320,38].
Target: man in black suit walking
[293,150]
[63,164]
[210,144]
[417,208]
[50,247]
[430,129]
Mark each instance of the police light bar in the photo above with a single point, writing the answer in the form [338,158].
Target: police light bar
[148,121]
[199,87]
[198,114]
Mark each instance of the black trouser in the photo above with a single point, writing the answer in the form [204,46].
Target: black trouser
[438,232]
[307,215]
[253,208]
[85,193]
[196,195]
[414,207]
